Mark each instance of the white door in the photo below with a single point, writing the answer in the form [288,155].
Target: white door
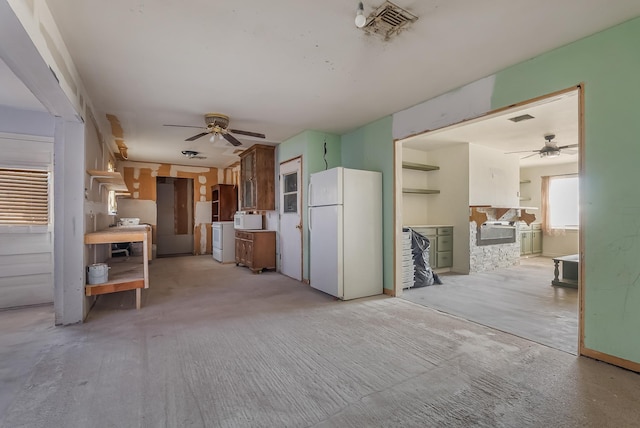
[291,218]
[326,267]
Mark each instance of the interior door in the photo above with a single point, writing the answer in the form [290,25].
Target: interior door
[291,218]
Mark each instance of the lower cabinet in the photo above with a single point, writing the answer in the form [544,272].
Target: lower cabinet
[530,239]
[441,245]
[256,249]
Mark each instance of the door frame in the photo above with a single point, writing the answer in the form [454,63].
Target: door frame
[303,210]
[397,197]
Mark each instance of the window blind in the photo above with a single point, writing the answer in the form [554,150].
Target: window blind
[24,197]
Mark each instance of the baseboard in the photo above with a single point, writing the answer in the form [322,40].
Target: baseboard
[616,361]
[389,292]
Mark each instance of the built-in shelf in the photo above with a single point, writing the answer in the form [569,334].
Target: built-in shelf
[419,166]
[111,180]
[421,191]
[525,181]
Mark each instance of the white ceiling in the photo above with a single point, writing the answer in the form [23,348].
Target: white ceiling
[281,66]
[557,116]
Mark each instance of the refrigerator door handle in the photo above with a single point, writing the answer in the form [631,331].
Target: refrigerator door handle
[309,195]
[310,217]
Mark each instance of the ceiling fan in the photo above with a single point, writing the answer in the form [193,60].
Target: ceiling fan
[550,148]
[218,124]
[192,154]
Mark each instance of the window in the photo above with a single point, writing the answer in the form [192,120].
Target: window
[24,197]
[562,205]
[290,193]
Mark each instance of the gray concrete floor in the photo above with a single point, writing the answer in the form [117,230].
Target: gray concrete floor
[216,346]
[519,300]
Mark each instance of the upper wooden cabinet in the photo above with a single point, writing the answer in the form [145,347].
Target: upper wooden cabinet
[257,178]
[224,202]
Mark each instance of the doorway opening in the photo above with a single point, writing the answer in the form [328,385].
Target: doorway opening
[175,216]
[487,177]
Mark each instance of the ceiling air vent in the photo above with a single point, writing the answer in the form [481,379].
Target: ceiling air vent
[521,118]
[388,19]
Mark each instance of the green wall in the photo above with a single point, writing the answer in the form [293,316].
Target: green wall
[371,147]
[609,65]
[310,145]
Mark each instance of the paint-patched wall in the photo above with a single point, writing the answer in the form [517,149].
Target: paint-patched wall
[141,177]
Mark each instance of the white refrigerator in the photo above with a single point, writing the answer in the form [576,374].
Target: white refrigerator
[345,228]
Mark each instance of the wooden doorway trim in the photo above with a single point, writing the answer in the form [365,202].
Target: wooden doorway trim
[397,167]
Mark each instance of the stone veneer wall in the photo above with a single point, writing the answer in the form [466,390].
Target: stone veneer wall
[490,257]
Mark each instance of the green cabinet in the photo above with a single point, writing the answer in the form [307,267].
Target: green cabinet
[441,241]
[530,239]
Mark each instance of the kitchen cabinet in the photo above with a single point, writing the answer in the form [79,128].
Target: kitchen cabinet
[257,178]
[530,239]
[441,242]
[256,249]
[224,202]
[420,167]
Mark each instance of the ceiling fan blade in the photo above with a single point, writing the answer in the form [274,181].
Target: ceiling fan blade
[250,134]
[568,147]
[195,137]
[185,126]
[523,151]
[528,156]
[233,140]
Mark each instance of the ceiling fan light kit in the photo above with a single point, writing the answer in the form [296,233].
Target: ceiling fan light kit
[549,150]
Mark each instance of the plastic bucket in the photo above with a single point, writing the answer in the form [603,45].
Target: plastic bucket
[98,273]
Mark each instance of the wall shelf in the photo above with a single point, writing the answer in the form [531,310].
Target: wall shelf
[111,180]
[421,191]
[419,166]
[525,181]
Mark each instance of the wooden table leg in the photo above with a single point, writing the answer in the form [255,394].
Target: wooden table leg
[556,271]
[138,297]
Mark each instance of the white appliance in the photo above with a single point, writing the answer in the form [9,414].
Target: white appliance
[223,241]
[242,220]
[345,225]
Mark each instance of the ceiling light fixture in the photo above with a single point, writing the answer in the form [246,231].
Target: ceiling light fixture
[360,18]
[213,137]
[550,153]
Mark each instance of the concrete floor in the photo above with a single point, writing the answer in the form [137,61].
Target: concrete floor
[519,300]
[216,346]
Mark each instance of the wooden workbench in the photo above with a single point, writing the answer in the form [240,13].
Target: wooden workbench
[125,273]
